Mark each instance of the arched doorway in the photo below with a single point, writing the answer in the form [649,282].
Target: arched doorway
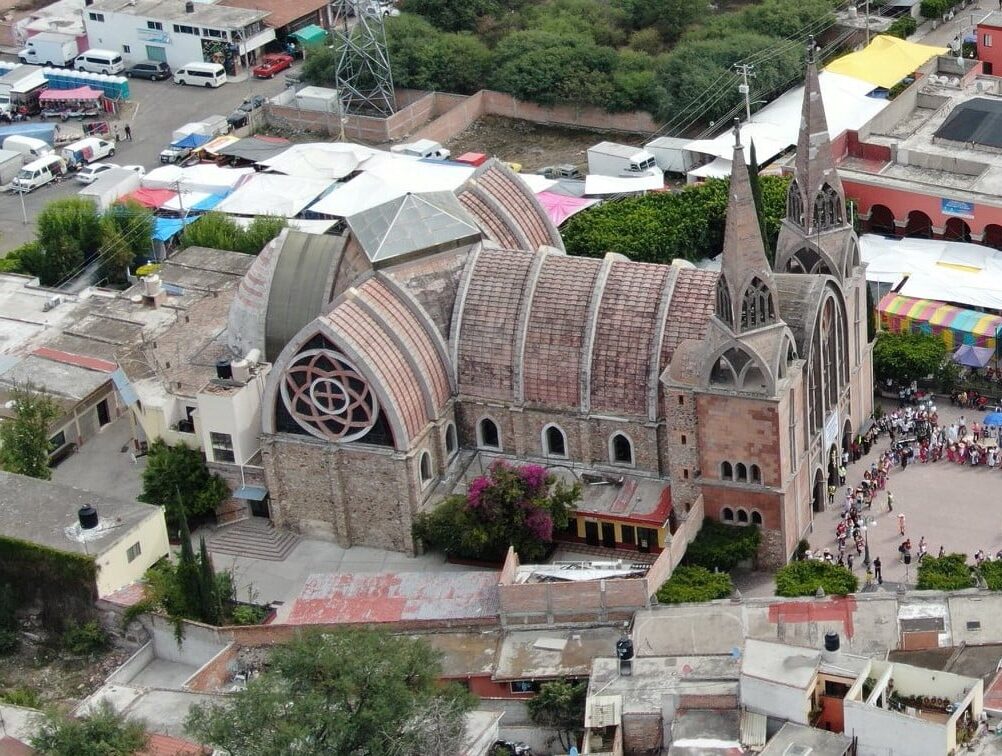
[956,229]
[919,226]
[881,221]
[846,436]
[992,236]
[819,498]
[834,460]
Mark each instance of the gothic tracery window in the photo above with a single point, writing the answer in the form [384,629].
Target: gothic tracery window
[794,204]
[827,209]
[724,311]
[757,306]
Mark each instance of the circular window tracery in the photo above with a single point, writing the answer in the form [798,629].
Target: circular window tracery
[328,397]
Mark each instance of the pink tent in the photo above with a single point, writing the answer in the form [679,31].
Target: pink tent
[150,197]
[560,207]
[80,93]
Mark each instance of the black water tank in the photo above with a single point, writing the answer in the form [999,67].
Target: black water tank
[624,648]
[223,370]
[88,517]
[832,642]
[189,7]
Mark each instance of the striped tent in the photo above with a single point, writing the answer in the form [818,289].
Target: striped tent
[955,325]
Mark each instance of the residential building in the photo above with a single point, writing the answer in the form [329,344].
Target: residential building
[288,16]
[126,540]
[178,32]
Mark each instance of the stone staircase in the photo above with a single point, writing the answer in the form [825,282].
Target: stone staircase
[255,538]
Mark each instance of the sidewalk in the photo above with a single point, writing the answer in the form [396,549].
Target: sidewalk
[954,30]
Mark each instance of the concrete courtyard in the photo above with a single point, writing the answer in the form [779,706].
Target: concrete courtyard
[952,506]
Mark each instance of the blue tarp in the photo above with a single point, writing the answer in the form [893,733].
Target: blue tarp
[43,131]
[166,228]
[192,140]
[208,203]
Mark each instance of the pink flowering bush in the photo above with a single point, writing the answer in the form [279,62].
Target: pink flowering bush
[519,506]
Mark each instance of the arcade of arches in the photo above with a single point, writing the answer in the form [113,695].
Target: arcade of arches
[918,225]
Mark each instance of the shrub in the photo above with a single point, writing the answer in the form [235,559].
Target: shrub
[8,642]
[903,27]
[85,639]
[695,584]
[243,614]
[804,579]
[21,696]
[947,573]
[721,547]
[992,573]
[933,8]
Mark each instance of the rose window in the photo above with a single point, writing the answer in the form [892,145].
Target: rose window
[328,397]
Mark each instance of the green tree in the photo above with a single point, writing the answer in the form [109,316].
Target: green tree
[947,573]
[103,732]
[214,230]
[126,234]
[560,706]
[69,235]
[262,230]
[804,578]
[188,575]
[452,15]
[510,506]
[320,66]
[24,438]
[179,473]
[904,357]
[669,17]
[871,315]
[210,606]
[721,547]
[346,691]
[690,583]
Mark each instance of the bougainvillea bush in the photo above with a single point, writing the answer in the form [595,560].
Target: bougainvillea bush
[512,505]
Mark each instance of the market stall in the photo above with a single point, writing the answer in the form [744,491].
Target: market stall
[955,325]
[82,102]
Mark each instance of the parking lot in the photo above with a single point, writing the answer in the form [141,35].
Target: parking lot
[154,111]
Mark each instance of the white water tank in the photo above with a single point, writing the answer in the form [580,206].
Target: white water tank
[241,370]
[151,285]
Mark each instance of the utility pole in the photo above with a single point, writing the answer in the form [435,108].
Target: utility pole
[745,70]
[867,23]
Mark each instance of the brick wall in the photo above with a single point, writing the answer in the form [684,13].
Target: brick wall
[639,122]
[642,734]
[555,603]
[216,672]
[697,701]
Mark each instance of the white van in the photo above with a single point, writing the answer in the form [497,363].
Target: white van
[100,61]
[38,173]
[31,148]
[201,75]
[87,150]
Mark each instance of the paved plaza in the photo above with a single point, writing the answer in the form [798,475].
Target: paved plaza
[958,507]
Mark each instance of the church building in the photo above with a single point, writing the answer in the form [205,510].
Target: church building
[444,330]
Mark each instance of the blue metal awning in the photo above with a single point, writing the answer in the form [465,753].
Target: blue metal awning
[251,493]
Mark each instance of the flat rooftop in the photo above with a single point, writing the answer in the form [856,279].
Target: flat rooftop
[45,513]
[654,677]
[395,597]
[173,10]
[465,654]
[546,654]
[794,738]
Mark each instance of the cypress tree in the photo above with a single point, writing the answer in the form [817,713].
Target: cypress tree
[210,609]
[188,579]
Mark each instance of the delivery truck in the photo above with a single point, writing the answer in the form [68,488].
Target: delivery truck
[111,186]
[611,159]
[20,90]
[50,49]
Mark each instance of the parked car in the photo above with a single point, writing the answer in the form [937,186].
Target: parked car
[155,70]
[238,117]
[90,173]
[271,64]
[135,169]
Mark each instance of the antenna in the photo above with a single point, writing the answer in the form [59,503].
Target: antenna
[363,75]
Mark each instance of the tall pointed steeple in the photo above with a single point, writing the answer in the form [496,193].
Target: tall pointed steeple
[816,177]
[745,289]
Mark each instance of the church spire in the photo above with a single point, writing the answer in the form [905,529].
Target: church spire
[745,299]
[820,201]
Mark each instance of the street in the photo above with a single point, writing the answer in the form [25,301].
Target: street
[155,110]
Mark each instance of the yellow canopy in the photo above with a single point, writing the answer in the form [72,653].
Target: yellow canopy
[885,62]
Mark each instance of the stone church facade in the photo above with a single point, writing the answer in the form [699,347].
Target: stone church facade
[443,330]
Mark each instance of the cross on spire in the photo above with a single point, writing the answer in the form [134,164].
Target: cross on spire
[737,134]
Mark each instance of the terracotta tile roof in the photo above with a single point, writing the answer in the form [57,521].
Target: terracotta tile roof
[166,745]
[558,327]
[68,358]
[282,12]
[692,305]
[13,747]
[489,219]
[624,334]
[485,353]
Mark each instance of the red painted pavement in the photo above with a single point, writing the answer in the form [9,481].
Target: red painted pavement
[798,612]
[68,358]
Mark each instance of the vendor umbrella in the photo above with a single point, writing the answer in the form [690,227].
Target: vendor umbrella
[973,356]
[993,418]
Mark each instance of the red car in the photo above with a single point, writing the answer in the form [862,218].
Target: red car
[271,64]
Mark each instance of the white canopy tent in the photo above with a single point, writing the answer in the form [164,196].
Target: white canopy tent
[306,226]
[322,160]
[776,126]
[204,177]
[599,185]
[274,194]
[945,271]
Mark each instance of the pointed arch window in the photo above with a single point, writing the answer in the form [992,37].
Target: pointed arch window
[827,209]
[554,442]
[794,204]
[757,307]
[724,309]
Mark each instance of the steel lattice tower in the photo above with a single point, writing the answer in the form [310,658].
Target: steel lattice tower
[363,75]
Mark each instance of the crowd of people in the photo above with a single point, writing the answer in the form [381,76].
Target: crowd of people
[915,437]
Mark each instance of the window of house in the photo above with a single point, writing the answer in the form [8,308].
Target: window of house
[58,441]
[134,551]
[740,471]
[155,25]
[183,29]
[683,439]
[727,514]
[524,686]
[622,450]
[99,17]
[987,40]
[487,434]
[756,518]
[756,474]
[126,49]
[222,447]
[685,473]
[214,33]
[425,467]
[726,471]
[450,439]
[742,517]
[629,534]
[554,442]
[681,400]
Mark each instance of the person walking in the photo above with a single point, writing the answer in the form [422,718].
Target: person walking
[128,133]
[849,562]
[890,502]
[942,552]
[901,523]
[876,571]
